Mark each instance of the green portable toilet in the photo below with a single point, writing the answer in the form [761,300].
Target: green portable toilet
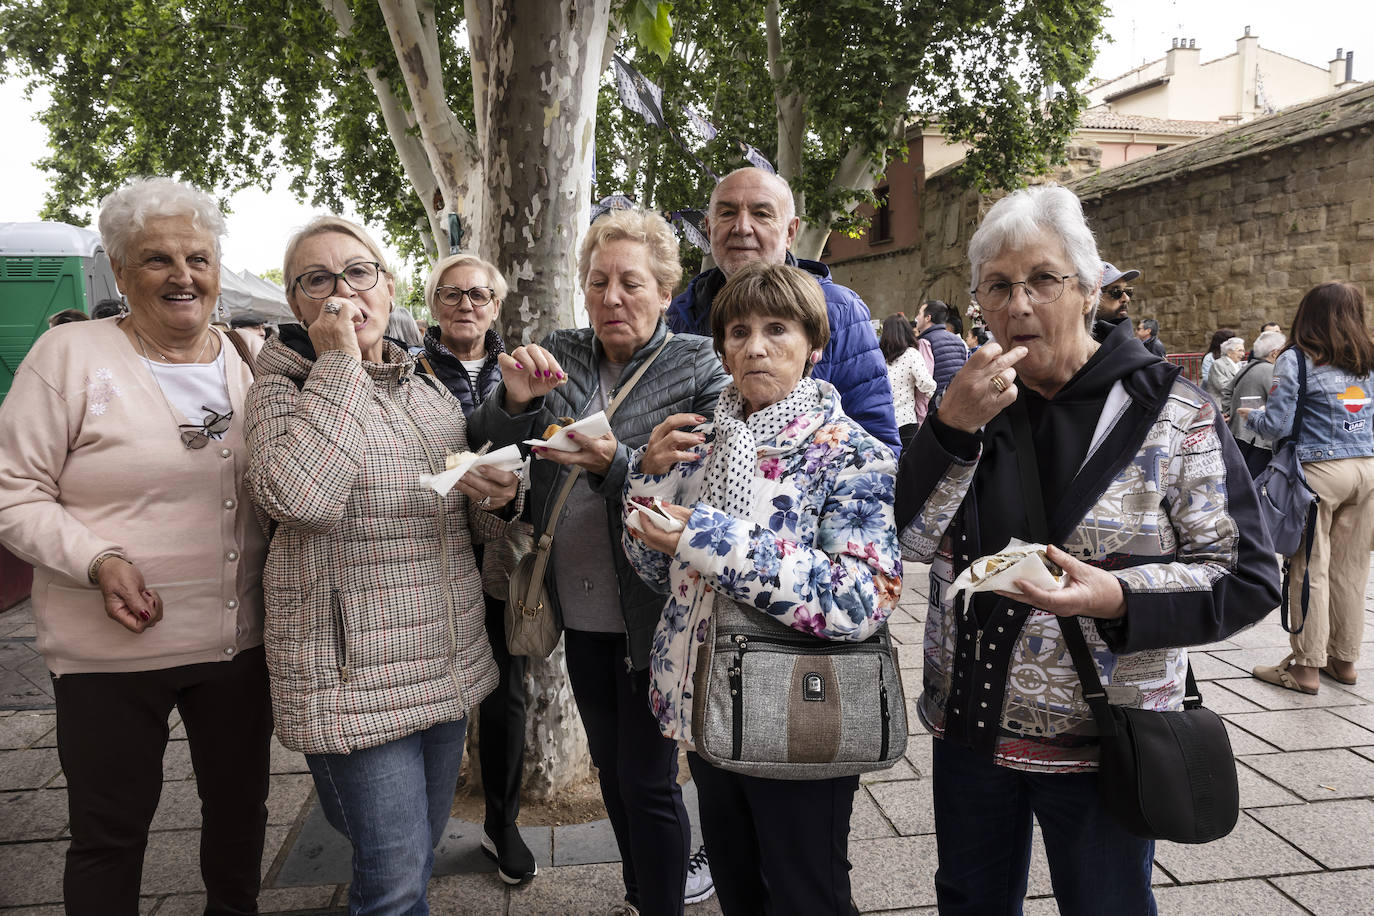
[45,268]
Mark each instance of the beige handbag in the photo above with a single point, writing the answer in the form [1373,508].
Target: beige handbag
[532,626]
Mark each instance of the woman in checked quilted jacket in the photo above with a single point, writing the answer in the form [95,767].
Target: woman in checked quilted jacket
[375,638]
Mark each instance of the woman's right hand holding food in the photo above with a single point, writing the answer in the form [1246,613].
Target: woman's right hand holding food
[982,388]
[529,372]
[671,442]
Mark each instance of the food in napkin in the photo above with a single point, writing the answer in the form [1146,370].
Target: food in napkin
[996,572]
[590,427]
[459,463]
[656,514]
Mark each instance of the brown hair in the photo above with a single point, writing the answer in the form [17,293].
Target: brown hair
[897,337]
[1330,328]
[775,290]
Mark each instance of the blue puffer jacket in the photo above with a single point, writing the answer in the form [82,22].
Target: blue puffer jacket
[1335,417]
[950,355]
[851,362]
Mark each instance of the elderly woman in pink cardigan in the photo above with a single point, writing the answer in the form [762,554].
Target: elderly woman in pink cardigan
[122,465]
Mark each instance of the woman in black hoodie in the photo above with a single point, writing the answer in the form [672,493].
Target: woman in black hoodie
[1071,434]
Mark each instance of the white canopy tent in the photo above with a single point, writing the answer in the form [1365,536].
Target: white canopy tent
[248,294]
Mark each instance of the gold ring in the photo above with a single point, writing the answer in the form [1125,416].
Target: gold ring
[332,308]
[999,383]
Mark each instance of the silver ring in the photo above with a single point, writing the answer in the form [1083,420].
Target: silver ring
[332,308]
[999,383]
[484,502]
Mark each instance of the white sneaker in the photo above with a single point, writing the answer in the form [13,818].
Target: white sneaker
[700,885]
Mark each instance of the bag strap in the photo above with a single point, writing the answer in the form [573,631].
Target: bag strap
[1310,527]
[544,546]
[236,341]
[1072,627]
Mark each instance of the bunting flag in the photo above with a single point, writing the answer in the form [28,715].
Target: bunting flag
[692,225]
[638,94]
[614,202]
[757,159]
[700,126]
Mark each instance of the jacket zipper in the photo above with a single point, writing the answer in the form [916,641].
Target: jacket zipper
[736,675]
[443,564]
[887,715]
[336,605]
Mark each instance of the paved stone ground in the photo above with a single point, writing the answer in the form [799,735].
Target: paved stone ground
[1304,843]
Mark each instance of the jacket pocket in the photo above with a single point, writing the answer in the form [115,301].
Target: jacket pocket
[336,606]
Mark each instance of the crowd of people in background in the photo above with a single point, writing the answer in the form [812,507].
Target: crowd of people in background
[230,522]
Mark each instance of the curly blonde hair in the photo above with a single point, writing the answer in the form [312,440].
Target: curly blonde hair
[642,226]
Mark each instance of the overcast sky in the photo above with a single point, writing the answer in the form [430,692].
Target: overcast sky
[1137,31]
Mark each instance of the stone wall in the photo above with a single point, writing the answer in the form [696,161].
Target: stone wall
[1232,230]
[1229,231]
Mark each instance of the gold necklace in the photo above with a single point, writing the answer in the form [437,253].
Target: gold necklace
[160,355]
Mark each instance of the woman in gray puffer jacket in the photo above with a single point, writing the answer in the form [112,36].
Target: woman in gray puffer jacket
[374,632]
[628,267]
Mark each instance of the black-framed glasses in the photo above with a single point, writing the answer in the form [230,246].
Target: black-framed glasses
[1116,292]
[215,424]
[321,284]
[994,295]
[452,295]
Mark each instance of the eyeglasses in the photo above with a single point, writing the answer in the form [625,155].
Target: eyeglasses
[321,284]
[994,295]
[196,435]
[1116,292]
[452,295]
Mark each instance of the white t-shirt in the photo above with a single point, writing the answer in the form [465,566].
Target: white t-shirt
[193,389]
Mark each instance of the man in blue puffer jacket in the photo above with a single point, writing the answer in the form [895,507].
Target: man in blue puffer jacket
[752,218]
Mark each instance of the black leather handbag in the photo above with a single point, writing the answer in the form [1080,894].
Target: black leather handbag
[1163,775]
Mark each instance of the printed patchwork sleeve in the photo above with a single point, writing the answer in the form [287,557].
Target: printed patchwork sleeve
[308,444]
[36,426]
[1224,576]
[934,477]
[843,586]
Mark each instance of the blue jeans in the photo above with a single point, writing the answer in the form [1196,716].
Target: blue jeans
[392,802]
[983,818]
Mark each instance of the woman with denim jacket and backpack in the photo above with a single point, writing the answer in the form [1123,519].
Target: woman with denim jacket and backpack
[1336,447]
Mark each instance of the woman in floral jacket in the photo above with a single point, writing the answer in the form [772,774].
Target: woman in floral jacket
[784,498]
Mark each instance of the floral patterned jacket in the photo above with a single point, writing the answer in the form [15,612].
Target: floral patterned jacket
[819,553]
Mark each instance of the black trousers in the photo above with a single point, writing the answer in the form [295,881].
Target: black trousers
[777,847]
[637,768]
[501,726]
[111,735]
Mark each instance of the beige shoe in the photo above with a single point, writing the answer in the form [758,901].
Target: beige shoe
[1279,676]
[1329,670]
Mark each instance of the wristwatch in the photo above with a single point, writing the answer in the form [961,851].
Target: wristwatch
[93,572]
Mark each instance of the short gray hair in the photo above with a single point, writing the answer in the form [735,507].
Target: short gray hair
[321,225]
[1267,343]
[494,277]
[1014,219]
[125,212]
[1233,343]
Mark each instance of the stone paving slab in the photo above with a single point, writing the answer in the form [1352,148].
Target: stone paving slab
[24,728]
[1271,697]
[1216,697]
[893,873]
[1242,742]
[1338,834]
[1208,667]
[1251,897]
[1256,791]
[1302,729]
[28,768]
[1362,716]
[908,805]
[38,815]
[868,821]
[1339,893]
[1250,851]
[1318,775]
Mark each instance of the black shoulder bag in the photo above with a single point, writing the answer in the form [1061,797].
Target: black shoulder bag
[1162,775]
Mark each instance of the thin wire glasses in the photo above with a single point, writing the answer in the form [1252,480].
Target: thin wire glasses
[321,284]
[452,295]
[196,435]
[994,295]
[1116,292]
